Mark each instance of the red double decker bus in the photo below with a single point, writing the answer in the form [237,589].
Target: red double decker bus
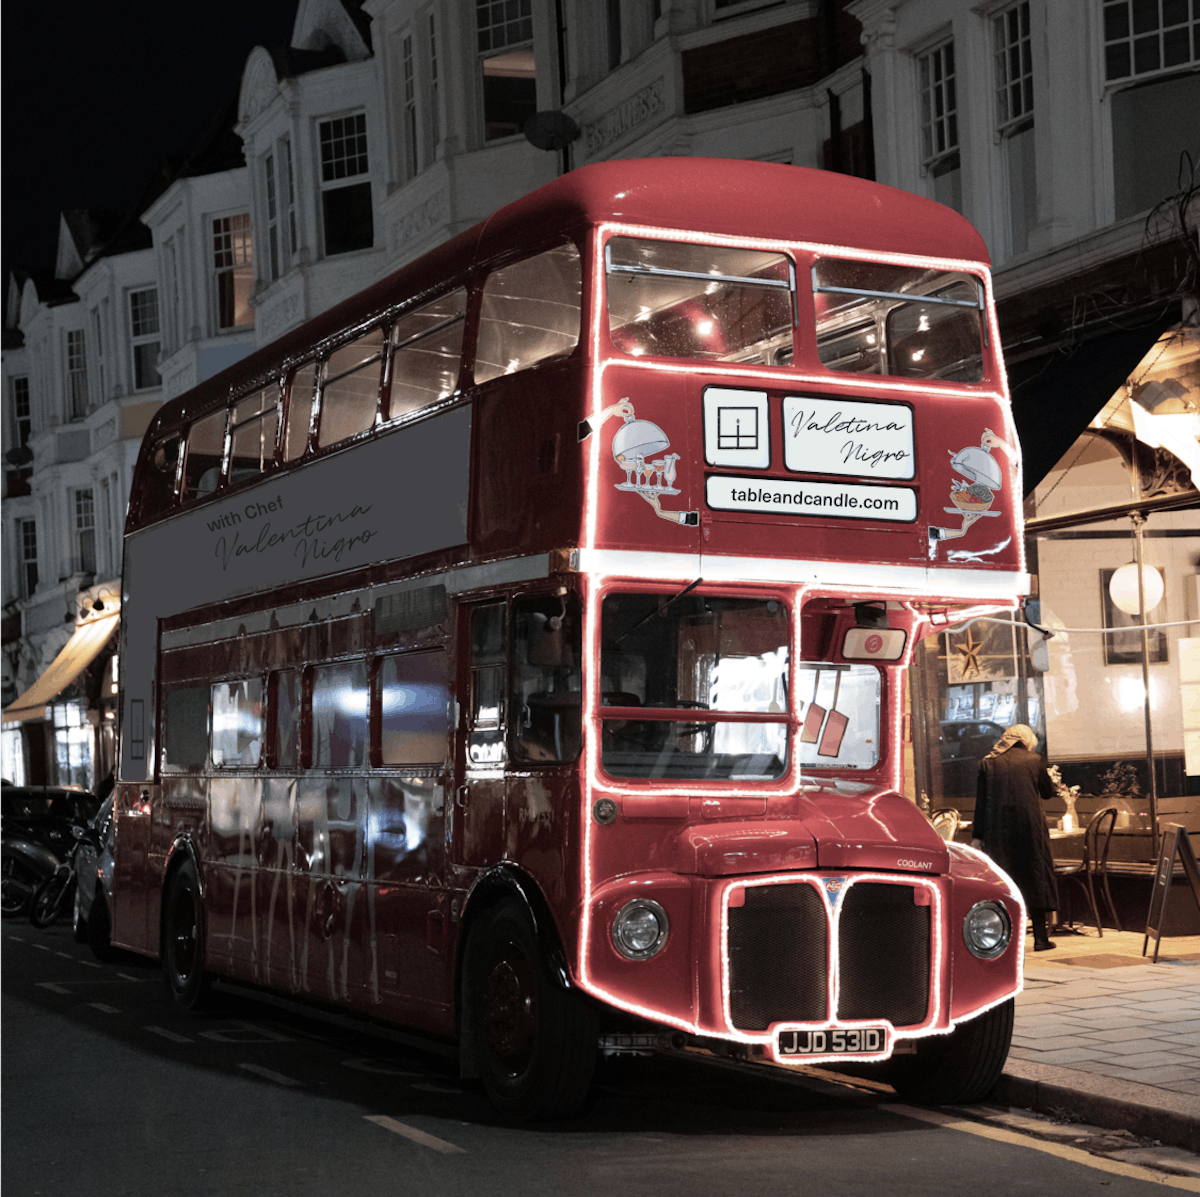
[517,651]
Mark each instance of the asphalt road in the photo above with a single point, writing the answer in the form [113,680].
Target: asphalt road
[109,1089]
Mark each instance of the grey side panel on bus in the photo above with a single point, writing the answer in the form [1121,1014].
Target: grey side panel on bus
[400,495]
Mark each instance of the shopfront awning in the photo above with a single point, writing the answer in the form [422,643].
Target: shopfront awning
[1056,396]
[76,655]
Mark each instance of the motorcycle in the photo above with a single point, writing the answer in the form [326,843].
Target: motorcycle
[24,865]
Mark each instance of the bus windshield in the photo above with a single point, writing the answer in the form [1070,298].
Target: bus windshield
[683,657]
[700,301]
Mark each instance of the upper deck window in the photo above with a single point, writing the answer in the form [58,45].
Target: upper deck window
[202,459]
[350,388]
[254,428]
[907,321]
[686,654]
[675,299]
[426,351]
[530,313]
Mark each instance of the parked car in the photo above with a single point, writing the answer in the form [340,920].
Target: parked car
[92,919]
[963,745]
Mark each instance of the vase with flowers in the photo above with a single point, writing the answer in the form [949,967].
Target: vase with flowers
[1070,820]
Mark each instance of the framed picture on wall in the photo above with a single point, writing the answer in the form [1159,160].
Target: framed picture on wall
[1123,646]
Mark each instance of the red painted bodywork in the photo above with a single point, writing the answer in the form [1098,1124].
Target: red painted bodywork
[301,891]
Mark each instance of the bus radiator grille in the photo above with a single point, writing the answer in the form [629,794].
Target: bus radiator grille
[777,957]
[883,955]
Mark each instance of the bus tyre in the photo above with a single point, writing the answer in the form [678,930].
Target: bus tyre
[958,1068]
[535,1042]
[183,940]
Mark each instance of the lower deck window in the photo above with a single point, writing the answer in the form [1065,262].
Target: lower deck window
[340,715]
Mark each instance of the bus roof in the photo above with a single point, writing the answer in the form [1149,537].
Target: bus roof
[723,196]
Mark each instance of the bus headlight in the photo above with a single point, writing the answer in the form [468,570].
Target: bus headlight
[987,930]
[640,929]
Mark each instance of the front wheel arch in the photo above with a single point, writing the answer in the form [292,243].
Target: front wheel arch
[533,1040]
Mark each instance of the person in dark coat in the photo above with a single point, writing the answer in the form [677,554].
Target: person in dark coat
[1010,823]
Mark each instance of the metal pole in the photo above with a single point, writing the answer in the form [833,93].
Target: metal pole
[1138,520]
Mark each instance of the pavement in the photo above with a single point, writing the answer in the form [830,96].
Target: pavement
[1106,1037]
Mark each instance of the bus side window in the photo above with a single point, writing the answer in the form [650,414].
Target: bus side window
[547,681]
[426,352]
[285,694]
[350,389]
[414,703]
[158,492]
[185,727]
[299,410]
[530,312]
[340,715]
[254,429]
[485,742]
[237,723]
[202,460]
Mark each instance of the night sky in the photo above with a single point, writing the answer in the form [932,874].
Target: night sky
[94,95]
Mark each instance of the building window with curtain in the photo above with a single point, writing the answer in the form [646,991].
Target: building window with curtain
[77,399]
[435,118]
[940,157]
[409,124]
[505,45]
[1011,48]
[346,205]
[28,545]
[233,271]
[145,338]
[293,241]
[1151,55]
[22,411]
[85,529]
[272,216]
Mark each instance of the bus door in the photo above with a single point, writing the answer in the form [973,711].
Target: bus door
[545,700]
[478,814]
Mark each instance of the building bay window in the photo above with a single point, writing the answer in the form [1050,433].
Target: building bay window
[940,156]
[145,338]
[505,44]
[347,209]
[234,271]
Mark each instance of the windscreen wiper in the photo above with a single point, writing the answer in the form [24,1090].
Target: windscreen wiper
[660,610]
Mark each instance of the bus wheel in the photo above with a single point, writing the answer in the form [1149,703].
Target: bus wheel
[535,1042]
[183,940]
[958,1068]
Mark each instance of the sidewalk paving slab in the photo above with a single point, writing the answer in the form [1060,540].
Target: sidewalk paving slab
[1105,1036]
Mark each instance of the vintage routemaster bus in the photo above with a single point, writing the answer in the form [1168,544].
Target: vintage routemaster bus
[516,651]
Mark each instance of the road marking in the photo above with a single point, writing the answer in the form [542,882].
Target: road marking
[417,1136]
[433,1088]
[1074,1154]
[50,985]
[41,947]
[267,1074]
[103,1008]
[65,955]
[162,1031]
[127,977]
[367,1064]
[16,939]
[86,963]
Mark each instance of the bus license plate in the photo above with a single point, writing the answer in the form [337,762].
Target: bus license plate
[845,1041]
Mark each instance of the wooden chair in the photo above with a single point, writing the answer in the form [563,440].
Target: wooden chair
[945,822]
[1093,867]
